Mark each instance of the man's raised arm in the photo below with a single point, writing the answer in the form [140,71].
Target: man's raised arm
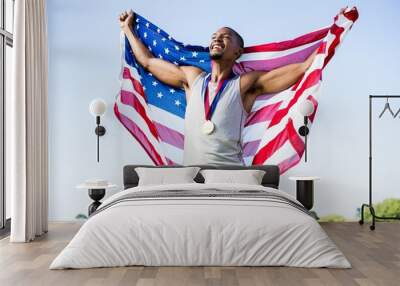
[256,83]
[165,71]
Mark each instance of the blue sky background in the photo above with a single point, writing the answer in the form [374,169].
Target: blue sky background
[84,64]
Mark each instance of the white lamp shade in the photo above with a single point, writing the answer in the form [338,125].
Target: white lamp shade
[306,108]
[97,107]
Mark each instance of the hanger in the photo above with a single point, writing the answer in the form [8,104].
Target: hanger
[387,107]
[397,113]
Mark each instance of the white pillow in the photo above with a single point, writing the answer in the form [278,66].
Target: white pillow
[248,177]
[166,176]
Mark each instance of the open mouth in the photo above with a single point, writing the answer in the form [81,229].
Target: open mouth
[217,46]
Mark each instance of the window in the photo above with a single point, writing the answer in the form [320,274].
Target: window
[6,45]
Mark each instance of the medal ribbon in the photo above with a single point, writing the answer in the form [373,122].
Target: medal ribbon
[209,109]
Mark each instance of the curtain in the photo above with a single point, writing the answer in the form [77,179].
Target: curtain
[26,127]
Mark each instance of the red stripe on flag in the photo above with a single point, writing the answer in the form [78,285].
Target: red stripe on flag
[288,163]
[321,50]
[315,103]
[136,84]
[296,85]
[322,47]
[352,15]
[263,114]
[130,99]
[285,45]
[337,31]
[139,136]
[312,79]
[169,135]
[288,133]
[276,62]
[294,138]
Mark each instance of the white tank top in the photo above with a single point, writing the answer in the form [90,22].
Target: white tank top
[223,146]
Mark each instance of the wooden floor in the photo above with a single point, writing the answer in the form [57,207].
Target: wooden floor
[375,257]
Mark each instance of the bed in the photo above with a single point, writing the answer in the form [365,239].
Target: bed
[198,224]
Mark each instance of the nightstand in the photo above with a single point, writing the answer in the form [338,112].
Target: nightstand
[305,190]
[96,193]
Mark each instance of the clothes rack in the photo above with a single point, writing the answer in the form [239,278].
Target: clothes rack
[370,204]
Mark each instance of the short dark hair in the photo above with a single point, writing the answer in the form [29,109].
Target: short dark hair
[238,36]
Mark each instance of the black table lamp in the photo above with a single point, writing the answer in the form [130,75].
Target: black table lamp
[97,108]
[306,108]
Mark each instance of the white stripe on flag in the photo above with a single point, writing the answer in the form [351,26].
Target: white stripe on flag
[131,113]
[167,118]
[260,103]
[257,130]
[254,56]
[173,153]
[248,160]
[134,72]
[254,132]
[281,154]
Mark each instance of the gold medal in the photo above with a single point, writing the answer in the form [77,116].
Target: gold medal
[208,127]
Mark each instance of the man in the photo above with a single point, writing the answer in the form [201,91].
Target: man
[217,103]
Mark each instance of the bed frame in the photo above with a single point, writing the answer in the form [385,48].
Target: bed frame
[270,179]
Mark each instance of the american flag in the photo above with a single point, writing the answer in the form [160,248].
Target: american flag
[154,112]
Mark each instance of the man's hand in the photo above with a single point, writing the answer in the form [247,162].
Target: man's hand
[164,71]
[126,20]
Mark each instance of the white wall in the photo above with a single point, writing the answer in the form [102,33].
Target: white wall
[84,64]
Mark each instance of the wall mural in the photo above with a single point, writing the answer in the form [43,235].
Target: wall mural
[155,113]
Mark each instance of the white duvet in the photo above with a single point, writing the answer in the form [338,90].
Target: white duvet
[200,231]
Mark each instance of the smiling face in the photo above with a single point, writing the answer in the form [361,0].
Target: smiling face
[226,44]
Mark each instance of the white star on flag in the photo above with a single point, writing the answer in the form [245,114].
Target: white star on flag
[171,90]
[166,50]
[159,95]
[194,54]
[177,102]
[155,83]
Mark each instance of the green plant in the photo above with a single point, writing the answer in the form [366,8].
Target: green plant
[332,218]
[387,208]
[81,216]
